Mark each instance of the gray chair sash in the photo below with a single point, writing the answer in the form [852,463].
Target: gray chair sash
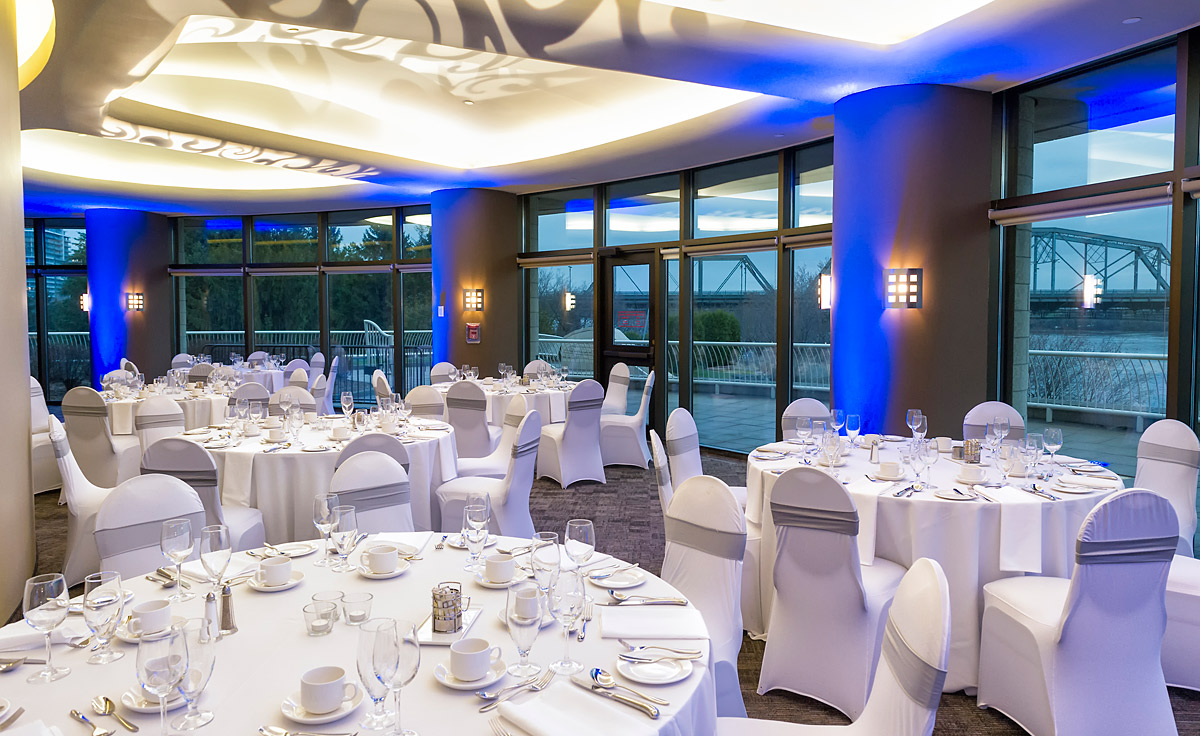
[35,391]
[1168,454]
[469,404]
[149,421]
[584,404]
[439,378]
[683,445]
[202,478]
[318,393]
[921,681]
[729,545]
[623,380]
[1118,551]
[662,474]
[427,410]
[979,431]
[62,448]
[143,535]
[376,497]
[527,448]
[838,522]
[79,410]
[512,420]
[792,421]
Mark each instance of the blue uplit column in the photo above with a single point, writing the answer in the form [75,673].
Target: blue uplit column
[128,252]
[912,189]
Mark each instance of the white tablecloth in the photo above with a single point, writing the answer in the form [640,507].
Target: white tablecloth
[550,403]
[965,537]
[273,380]
[198,411]
[261,665]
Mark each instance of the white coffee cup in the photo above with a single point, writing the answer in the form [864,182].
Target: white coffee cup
[272,422]
[252,429]
[944,444]
[275,435]
[971,472]
[500,567]
[471,659]
[310,417]
[150,617]
[889,470]
[341,433]
[390,427]
[324,689]
[383,558]
[274,571]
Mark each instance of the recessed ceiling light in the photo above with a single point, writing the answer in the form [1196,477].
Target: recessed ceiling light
[292,29]
[779,135]
[468,102]
[1131,21]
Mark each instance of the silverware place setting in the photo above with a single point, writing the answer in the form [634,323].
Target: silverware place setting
[527,687]
[620,599]
[588,684]
[11,719]
[104,706]
[277,731]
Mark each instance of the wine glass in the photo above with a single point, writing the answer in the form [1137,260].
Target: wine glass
[917,458]
[103,600]
[323,506]
[177,544]
[256,411]
[407,650]
[344,531]
[838,420]
[373,634]
[523,613]
[566,602]
[162,661]
[1031,451]
[544,557]
[991,437]
[45,607]
[853,427]
[243,408]
[295,416]
[1053,439]
[920,427]
[475,534]
[1002,426]
[580,541]
[201,643]
[930,451]
[910,418]
[347,403]
[215,552]
[1037,443]
[804,429]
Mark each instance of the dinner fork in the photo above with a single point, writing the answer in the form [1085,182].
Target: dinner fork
[641,647]
[11,719]
[498,728]
[536,687]
[587,616]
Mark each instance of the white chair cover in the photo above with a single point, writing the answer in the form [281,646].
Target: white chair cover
[1168,463]
[317,368]
[427,403]
[44,466]
[225,372]
[683,451]
[623,438]
[828,616]
[195,466]
[570,451]
[1181,642]
[662,471]
[1082,656]
[496,464]
[129,365]
[120,374]
[320,388]
[296,364]
[441,372]
[377,487]
[509,495]
[706,543]
[299,379]
[383,388]
[532,367]
[106,459]
[83,500]
[300,398]
[617,392]
[257,358]
[181,360]
[806,407]
[129,522]
[466,410]
[331,384]
[200,372]
[157,417]
[975,422]
[254,392]
[374,442]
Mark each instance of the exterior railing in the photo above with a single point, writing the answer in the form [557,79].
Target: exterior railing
[1122,384]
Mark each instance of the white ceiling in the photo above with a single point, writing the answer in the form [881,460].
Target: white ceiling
[212,106]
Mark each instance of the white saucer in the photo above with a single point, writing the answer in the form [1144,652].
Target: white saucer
[1089,468]
[950,495]
[888,478]
[767,455]
[297,576]
[456,541]
[893,438]
[293,711]
[1076,490]
[124,635]
[215,445]
[76,603]
[619,581]
[441,673]
[517,577]
[968,481]
[274,442]
[200,430]
[546,619]
[366,573]
[138,702]
[840,463]
[296,550]
[317,448]
[655,673]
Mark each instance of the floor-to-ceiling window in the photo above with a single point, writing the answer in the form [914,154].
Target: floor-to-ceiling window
[416,313]
[812,295]
[561,316]
[740,197]
[211,314]
[643,211]
[56,279]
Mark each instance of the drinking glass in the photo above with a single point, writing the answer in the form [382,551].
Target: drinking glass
[910,418]
[566,602]
[103,600]
[563,372]
[804,429]
[1031,453]
[930,451]
[177,544]
[991,437]
[920,427]
[1037,442]
[45,607]
[347,403]
[323,506]
[215,552]
[853,427]
[285,403]
[917,458]
[1053,439]
[474,533]
[296,420]
[344,531]
[523,612]
[162,661]
[1002,426]
[838,419]
[256,411]
[371,635]
[243,408]
[544,558]
[201,643]
[580,540]
[408,660]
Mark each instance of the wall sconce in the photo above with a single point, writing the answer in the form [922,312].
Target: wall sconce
[568,300]
[85,302]
[472,300]
[904,288]
[825,291]
[1092,289]
[135,301]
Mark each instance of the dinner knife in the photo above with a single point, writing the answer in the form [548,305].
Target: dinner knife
[591,687]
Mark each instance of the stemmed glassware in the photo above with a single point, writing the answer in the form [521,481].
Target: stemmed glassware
[523,613]
[323,506]
[347,405]
[1035,442]
[103,601]
[920,427]
[403,648]
[853,427]
[344,531]
[930,452]
[580,541]
[374,634]
[544,558]
[215,553]
[162,661]
[991,437]
[201,643]
[256,411]
[285,403]
[566,602]
[1053,439]
[177,544]
[804,429]
[45,607]
[243,408]
[917,458]
[910,419]
[1002,427]
[475,533]
[837,418]
[295,417]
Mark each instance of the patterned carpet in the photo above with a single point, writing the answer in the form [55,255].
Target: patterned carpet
[629,525]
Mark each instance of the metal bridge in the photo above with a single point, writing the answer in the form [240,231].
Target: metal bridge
[1133,273]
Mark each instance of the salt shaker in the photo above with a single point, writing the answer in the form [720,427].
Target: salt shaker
[228,625]
[874,451]
[212,624]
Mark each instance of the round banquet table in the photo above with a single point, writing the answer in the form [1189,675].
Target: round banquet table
[198,410]
[260,665]
[283,483]
[551,403]
[272,379]
[975,541]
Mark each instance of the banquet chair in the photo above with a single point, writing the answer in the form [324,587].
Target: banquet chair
[106,459]
[623,438]
[181,360]
[910,674]
[1082,656]
[129,522]
[1168,460]
[118,374]
[331,384]
[617,391]
[257,358]
[300,398]
[194,465]
[381,385]
[533,366]
[509,495]
[706,543]
[299,379]
[662,471]
[976,420]
[294,365]
[683,451]
[828,617]
[44,467]
[255,393]
[320,387]
[441,372]
[157,417]
[426,403]
[374,442]
[83,499]
[570,451]
[316,365]
[799,409]
[378,489]
[466,411]
[225,372]
[129,365]
[200,373]
[495,465]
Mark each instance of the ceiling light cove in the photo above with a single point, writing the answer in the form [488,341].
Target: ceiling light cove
[35,38]
[882,22]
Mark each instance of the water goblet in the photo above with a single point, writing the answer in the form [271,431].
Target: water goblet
[910,418]
[243,408]
[853,427]
[407,656]
[580,540]
[1002,426]
[566,603]
[544,558]
[215,552]
[45,607]
[1053,439]
[256,411]
[917,458]
[323,506]
[474,533]
[804,429]
[103,601]
[344,531]
[347,404]
[201,643]
[177,544]
[523,613]
[162,661]
[837,418]
[376,687]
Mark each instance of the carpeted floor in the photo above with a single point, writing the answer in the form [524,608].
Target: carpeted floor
[629,525]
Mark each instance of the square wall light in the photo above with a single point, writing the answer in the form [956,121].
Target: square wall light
[472,300]
[1093,287]
[904,288]
[825,291]
[135,301]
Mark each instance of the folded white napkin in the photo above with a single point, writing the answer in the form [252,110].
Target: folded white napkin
[1020,529]
[21,635]
[651,622]
[866,498]
[778,447]
[195,571]
[37,728]
[565,708]
[417,539]
[1098,482]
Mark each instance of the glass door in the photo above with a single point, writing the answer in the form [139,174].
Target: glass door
[627,323]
